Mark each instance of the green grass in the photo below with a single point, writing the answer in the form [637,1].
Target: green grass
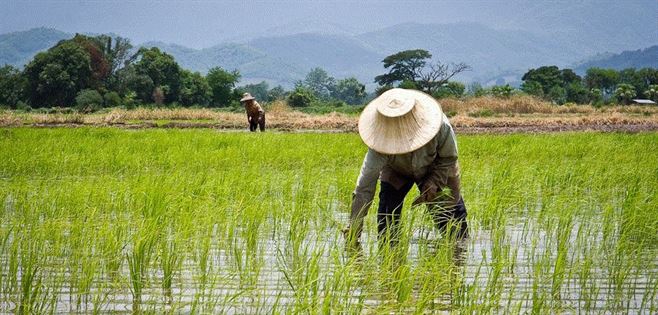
[101,219]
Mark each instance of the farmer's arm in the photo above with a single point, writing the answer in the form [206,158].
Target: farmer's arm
[444,172]
[365,190]
[447,147]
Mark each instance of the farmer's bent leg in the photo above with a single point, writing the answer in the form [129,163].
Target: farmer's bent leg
[261,121]
[391,200]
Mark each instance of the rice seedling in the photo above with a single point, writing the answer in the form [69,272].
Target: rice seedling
[101,220]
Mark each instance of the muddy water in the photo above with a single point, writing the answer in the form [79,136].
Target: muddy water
[513,272]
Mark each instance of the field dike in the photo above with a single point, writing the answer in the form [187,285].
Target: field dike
[98,220]
[519,114]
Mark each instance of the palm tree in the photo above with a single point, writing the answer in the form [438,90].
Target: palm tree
[625,93]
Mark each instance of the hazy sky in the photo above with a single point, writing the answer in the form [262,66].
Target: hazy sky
[205,23]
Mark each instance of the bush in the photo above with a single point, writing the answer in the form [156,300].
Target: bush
[112,99]
[502,91]
[451,89]
[88,100]
[301,97]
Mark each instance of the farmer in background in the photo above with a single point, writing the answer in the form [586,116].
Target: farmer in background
[410,141]
[255,113]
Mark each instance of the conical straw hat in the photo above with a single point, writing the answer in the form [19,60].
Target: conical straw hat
[400,121]
[246,97]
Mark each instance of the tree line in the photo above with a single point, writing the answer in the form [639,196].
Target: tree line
[91,72]
[412,69]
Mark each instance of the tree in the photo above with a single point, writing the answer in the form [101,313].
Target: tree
[55,76]
[568,77]
[603,79]
[12,84]
[194,89]
[132,82]
[533,88]
[276,93]
[434,76]
[350,91]
[320,83]
[410,69]
[162,69]
[301,96]
[648,76]
[625,93]
[118,52]
[652,92]
[558,95]
[502,91]
[221,84]
[404,65]
[577,93]
[547,77]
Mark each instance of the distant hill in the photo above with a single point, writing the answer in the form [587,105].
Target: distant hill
[641,58]
[18,48]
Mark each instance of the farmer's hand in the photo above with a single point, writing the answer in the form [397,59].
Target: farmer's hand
[428,193]
[352,244]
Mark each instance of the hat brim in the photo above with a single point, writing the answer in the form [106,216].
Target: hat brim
[244,99]
[405,133]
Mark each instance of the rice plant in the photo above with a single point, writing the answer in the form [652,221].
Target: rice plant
[100,220]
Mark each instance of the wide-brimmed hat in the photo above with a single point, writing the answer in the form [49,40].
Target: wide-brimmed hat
[247,97]
[400,121]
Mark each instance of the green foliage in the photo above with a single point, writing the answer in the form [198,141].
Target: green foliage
[602,79]
[320,83]
[411,69]
[194,89]
[276,93]
[558,86]
[112,99]
[625,93]
[301,97]
[652,92]
[222,83]
[502,91]
[89,100]
[558,95]
[596,97]
[259,90]
[12,84]
[476,89]
[547,77]
[162,70]
[577,93]
[141,85]
[450,89]
[350,91]
[403,66]
[54,77]
[113,205]
[533,88]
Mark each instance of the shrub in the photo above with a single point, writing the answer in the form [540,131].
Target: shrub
[502,91]
[112,99]
[301,97]
[88,100]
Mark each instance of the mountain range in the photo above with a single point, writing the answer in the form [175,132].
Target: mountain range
[495,55]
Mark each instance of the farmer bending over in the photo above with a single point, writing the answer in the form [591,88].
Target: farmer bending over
[255,113]
[409,141]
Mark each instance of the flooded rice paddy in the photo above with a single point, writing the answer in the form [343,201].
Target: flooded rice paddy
[195,221]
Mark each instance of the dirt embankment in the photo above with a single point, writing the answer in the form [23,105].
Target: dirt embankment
[479,115]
